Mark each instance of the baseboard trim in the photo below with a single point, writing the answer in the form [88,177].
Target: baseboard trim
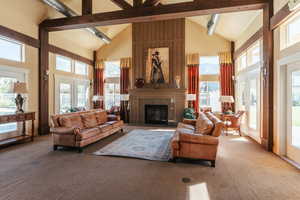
[293,163]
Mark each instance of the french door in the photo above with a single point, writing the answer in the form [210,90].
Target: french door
[293,113]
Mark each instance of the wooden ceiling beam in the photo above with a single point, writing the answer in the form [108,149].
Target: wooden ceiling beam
[152,2]
[87,7]
[122,4]
[144,14]
[137,3]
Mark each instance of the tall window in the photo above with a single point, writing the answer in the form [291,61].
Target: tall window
[11,50]
[209,83]
[112,84]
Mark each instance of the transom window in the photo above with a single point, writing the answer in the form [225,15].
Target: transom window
[68,65]
[250,57]
[209,65]
[293,31]
[11,49]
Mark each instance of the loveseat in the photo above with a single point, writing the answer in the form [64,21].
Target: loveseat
[198,139]
[80,129]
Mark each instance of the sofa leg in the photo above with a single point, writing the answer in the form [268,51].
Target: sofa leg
[121,130]
[54,147]
[173,160]
[213,163]
[79,149]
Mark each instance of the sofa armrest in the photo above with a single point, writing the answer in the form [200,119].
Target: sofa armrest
[198,139]
[189,122]
[112,117]
[63,131]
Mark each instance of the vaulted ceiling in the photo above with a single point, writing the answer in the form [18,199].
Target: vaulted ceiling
[230,25]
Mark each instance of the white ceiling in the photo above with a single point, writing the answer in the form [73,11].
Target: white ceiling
[230,25]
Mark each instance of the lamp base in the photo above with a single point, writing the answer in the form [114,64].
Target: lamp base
[19,100]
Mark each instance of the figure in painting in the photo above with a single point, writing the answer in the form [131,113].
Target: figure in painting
[157,75]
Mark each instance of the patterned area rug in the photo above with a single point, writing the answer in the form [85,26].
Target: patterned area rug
[139,143]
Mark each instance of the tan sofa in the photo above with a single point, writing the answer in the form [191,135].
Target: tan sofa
[80,129]
[198,139]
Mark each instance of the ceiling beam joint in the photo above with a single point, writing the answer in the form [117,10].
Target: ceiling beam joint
[122,4]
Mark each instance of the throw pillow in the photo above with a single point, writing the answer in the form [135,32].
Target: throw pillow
[89,120]
[203,125]
[71,121]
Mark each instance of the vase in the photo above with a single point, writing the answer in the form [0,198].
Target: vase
[139,82]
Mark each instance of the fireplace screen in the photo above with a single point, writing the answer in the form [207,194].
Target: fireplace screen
[156,114]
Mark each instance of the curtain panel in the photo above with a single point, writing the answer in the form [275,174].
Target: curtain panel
[125,65]
[99,82]
[193,78]
[226,75]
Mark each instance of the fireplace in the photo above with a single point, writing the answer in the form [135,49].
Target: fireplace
[156,114]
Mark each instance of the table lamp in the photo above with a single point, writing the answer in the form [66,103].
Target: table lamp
[20,88]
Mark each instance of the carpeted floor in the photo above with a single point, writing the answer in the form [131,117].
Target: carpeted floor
[243,171]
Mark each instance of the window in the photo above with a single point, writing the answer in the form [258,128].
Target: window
[210,95]
[81,68]
[63,63]
[112,84]
[70,93]
[250,57]
[8,76]
[209,65]
[11,50]
[209,83]
[293,31]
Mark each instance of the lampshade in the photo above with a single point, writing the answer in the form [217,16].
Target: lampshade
[124,97]
[98,98]
[227,99]
[190,97]
[20,88]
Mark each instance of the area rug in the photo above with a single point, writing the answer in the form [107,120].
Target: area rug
[139,143]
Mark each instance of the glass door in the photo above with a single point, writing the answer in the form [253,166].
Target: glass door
[293,113]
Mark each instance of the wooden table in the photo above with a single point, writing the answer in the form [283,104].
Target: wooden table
[227,119]
[18,117]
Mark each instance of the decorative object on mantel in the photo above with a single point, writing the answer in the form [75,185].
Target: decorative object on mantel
[20,88]
[189,113]
[157,66]
[177,81]
[98,100]
[228,101]
[190,98]
[139,82]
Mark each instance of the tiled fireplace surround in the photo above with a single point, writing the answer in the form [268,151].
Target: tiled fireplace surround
[174,98]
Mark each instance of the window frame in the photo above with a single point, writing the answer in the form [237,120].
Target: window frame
[72,66]
[22,48]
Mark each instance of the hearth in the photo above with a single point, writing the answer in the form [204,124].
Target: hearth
[156,114]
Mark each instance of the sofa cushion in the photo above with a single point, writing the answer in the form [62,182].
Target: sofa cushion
[105,127]
[184,130]
[71,121]
[101,117]
[218,124]
[115,124]
[198,139]
[89,120]
[87,133]
[187,126]
[203,125]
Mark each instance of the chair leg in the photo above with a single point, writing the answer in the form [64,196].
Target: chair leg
[54,147]
[213,163]
[79,149]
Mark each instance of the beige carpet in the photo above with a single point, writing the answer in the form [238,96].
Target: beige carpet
[243,171]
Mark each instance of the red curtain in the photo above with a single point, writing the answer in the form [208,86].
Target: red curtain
[227,84]
[124,79]
[99,86]
[193,84]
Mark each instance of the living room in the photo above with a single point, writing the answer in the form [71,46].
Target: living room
[153,99]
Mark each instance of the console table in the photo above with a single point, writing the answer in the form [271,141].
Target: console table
[18,117]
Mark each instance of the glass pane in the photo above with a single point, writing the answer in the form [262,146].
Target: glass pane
[243,62]
[112,69]
[209,65]
[253,104]
[82,96]
[10,49]
[65,97]
[80,68]
[294,31]
[63,63]
[254,54]
[7,102]
[296,109]
[112,95]
[210,95]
